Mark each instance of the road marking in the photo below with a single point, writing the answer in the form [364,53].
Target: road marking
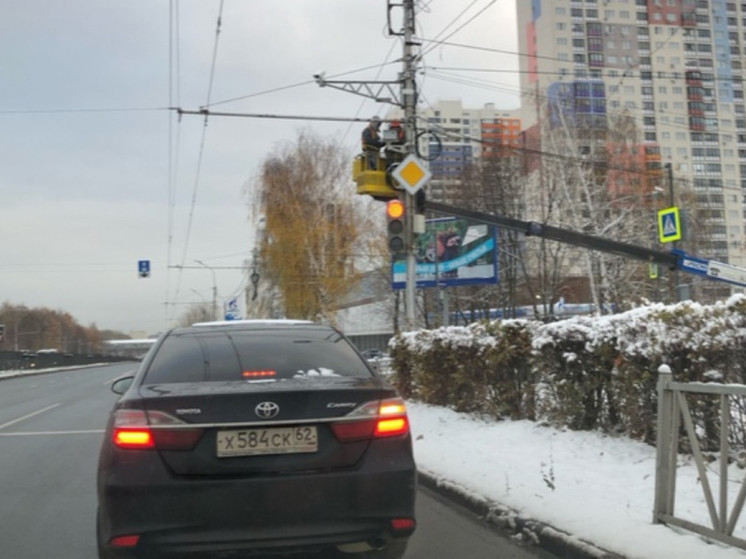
[28,415]
[34,433]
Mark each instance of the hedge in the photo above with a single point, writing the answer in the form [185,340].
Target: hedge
[582,373]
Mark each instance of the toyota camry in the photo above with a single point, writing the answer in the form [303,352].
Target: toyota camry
[255,438]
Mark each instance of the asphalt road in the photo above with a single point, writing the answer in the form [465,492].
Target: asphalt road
[51,427]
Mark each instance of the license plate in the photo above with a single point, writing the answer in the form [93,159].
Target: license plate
[273,440]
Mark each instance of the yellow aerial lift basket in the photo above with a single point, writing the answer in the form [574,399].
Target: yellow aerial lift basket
[372,181]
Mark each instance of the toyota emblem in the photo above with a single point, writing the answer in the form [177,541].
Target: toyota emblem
[267,410]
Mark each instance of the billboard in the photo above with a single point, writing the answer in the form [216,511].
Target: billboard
[452,252]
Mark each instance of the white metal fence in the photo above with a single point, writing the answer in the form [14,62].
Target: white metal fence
[673,411]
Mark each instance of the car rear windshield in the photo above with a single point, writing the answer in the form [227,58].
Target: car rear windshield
[203,356]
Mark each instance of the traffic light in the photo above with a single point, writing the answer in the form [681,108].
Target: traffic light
[395,227]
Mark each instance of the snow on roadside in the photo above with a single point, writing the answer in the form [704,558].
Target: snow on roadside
[597,487]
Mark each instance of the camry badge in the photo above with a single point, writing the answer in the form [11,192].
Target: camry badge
[267,410]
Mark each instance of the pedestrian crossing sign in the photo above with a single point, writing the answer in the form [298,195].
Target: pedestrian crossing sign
[669,225]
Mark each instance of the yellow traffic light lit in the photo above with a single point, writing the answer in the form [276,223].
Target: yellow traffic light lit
[395,209]
[395,227]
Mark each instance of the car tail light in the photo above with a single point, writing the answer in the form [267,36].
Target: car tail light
[142,430]
[402,526]
[129,540]
[385,418]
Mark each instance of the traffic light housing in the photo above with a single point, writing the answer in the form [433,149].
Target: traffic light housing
[420,202]
[395,214]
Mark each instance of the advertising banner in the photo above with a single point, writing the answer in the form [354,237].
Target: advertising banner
[452,252]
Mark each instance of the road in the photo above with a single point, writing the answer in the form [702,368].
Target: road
[50,432]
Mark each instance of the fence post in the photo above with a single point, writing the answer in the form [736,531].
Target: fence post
[664,440]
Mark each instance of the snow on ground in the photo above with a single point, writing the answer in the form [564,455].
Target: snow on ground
[594,486]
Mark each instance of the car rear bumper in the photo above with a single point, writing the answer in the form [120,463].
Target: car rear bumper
[312,510]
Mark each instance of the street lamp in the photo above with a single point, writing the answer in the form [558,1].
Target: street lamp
[214,290]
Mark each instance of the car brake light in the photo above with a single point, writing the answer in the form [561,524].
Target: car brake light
[259,374]
[403,525]
[130,540]
[391,427]
[142,430]
[385,418]
[133,438]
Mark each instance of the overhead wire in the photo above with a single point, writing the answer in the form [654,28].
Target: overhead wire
[84,110]
[200,156]
[637,113]
[292,86]
[453,21]
[480,12]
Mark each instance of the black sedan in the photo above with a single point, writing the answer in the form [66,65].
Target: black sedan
[255,438]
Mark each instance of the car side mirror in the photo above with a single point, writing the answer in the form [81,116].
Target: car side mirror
[121,385]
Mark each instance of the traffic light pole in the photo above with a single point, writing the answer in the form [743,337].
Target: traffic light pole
[384,92]
[409,105]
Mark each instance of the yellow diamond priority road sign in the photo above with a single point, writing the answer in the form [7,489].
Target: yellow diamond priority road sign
[411,174]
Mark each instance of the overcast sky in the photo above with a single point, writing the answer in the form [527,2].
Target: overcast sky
[84,184]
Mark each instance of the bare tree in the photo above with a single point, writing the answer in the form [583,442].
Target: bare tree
[599,170]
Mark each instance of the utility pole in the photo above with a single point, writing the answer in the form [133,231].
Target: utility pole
[385,92]
[409,104]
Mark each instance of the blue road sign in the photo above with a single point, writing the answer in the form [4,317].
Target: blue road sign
[711,269]
[693,265]
[143,268]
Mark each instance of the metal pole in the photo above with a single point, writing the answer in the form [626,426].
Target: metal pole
[674,276]
[409,103]
[664,438]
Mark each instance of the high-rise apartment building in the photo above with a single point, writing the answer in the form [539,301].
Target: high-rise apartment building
[459,136]
[675,67]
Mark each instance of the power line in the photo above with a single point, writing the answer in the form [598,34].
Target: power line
[83,110]
[454,20]
[200,155]
[294,85]
[480,12]
[207,113]
[637,113]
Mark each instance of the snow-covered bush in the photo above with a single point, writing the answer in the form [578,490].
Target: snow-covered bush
[509,375]
[583,372]
[574,369]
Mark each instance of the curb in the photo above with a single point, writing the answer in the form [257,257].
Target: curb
[509,522]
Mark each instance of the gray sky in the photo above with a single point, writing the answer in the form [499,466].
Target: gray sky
[85,191]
